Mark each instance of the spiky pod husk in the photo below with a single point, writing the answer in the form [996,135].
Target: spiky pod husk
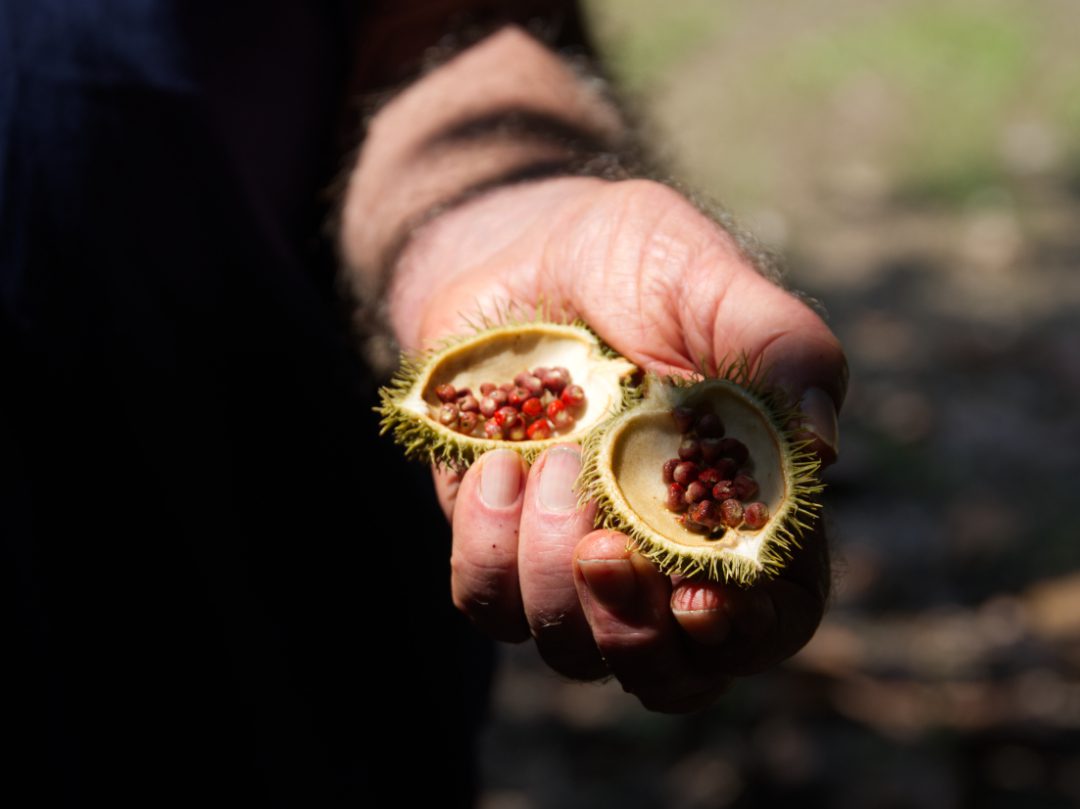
[622,472]
[496,353]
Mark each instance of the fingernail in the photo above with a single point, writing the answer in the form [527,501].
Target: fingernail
[612,581]
[562,466]
[819,417]
[500,478]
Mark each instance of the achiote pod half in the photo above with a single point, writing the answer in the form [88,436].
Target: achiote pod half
[704,475]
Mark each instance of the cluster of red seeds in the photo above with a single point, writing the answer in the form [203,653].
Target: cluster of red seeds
[536,405]
[709,484]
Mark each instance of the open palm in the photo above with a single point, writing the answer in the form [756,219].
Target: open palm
[669,289]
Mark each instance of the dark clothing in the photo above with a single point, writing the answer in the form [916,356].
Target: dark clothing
[217,580]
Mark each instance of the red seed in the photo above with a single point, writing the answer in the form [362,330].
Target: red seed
[686,472]
[731,513]
[532,407]
[540,372]
[734,449]
[463,392]
[492,430]
[539,430]
[756,516]
[669,469]
[446,393]
[500,397]
[506,387]
[709,476]
[573,395]
[534,386]
[467,422]
[676,495]
[723,490]
[487,388]
[746,487]
[506,417]
[696,492]
[518,396]
[560,418]
[690,449]
[710,449]
[556,379]
[448,415]
[684,418]
[706,513]
[517,431]
[488,406]
[726,468]
[468,404]
[531,383]
[710,426]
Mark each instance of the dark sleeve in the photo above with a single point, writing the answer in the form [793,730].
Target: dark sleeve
[203,540]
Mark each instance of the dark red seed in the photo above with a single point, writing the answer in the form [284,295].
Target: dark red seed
[533,385]
[506,387]
[532,408]
[684,418]
[676,495]
[756,516]
[710,426]
[573,395]
[734,449]
[517,431]
[690,449]
[446,393]
[518,396]
[709,476]
[556,379]
[488,406]
[448,415]
[468,404]
[540,372]
[726,468]
[746,487]
[710,449]
[706,513]
[463,392]
[506,417]
[687,521]
[539,430]
[487,388]
[669,469]
[467,422]
[685,473]
[492,430]
[731,513]
[723,491]
[499,396]
[696,492]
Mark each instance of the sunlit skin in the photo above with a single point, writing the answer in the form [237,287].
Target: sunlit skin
[667,288]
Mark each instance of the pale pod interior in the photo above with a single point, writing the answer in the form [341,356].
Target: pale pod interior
[645,438]
[499,354]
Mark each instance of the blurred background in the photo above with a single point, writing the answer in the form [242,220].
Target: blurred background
[918,166]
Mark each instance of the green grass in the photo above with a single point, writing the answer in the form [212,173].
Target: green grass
[955,74]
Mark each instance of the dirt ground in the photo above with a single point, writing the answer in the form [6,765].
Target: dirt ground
[919,167]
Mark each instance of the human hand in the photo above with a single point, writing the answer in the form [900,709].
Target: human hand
[667,288]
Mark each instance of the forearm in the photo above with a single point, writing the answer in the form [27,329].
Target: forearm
[506,109]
